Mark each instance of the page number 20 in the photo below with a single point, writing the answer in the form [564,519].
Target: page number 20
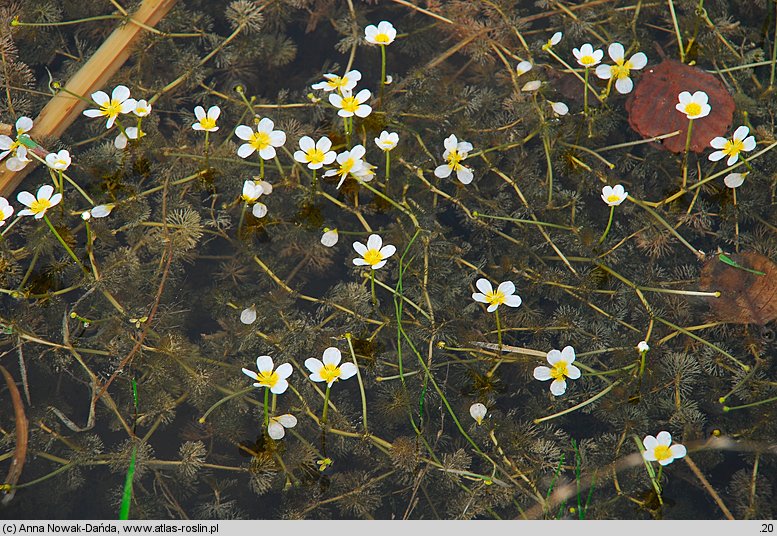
[767,527]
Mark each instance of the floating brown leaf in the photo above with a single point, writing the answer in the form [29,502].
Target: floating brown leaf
[652,109]
[745,298]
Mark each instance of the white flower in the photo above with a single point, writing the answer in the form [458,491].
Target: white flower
[523,68]
[274,380]
[562,368]
[333,82]
[382,34]
[38,204]
[504,294]
[366,173]
[252,191]
[643,347]
[658,449]
[276,429]
[350,163]
[130,133]
[554,40]
[734,180]
[59,161]
[478,412]
[622,69]
[387,140]
[206,121]
[389,80]
[264,140]
[248,315]
[731,148]
[693,106]
[16,149]
[330,237]
[315,154]
[328,370]
[350,105]
[142,108]
[118,103]
[6,210]
[532,85]
[614,196]
[374,254]
[587,56]
[559,108]
[455,152]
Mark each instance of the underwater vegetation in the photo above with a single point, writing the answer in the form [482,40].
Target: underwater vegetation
[319,259]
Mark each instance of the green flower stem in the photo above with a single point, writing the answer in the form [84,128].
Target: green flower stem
[609,224]
[279,166]
[388,170]
[382,70]
[476,214]
[348,338]
[314,184]
[266,407]
[685,154]
[372,286]
[499,341]
[585,94]
[581,404]
[207,149]
[64,244]
[347,130]
[274,403]
[326,405]
[750,405]
[261,168]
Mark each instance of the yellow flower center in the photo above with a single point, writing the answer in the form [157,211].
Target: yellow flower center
[330,373]
[662,452]
[621,70]
[495,297]
[346,167]
[733,147]
[382,39]
[372,257]
[350,104]
[692,108]
[588,60]
[315,156]
[454,157]
[612,198]
[336,82]
[207,123]
[267,378]
[259,140]
[40,205]
[559,371]
[112,109]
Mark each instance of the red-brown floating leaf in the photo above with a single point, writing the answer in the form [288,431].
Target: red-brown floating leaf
[652,109]
[745,298]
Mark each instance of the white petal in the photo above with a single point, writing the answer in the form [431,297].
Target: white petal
[306,143]
[678,451]
[287,420]
[275,430]
[264,363]
[387,251]
[478,411]
[214,112]
[199,112]
[624,85]
[277,138]
[573,372]
[513,301]
[450,143]
[245,150]
[284,370]
[664,438]
[568,353]
[259,210]
[638,60]
[741,133]
[360,248]
[55,199]
[748,144]
[330,238]
[251,374]
[650,443]
[615,50]
[313,365]
[358,261]
[280,387]
[323,145]
[484,285]
[23,124]
[558,387]
[267,153]
[363,110]
[443,171]
[554,356]
[101,98]
[244,132]
[542,373]
[734,180]
[347,370]
[478,297]
[716,155]
[374,242]
[45,191]
[92,112]
[464,174]
[332,356]
[120,93]
[265,125]
[248,316]
[493,307]
[506,287]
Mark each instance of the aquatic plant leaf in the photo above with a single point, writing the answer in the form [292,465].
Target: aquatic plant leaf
[746,297]
[652,110]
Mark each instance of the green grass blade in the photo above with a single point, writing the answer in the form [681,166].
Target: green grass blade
[126,498]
